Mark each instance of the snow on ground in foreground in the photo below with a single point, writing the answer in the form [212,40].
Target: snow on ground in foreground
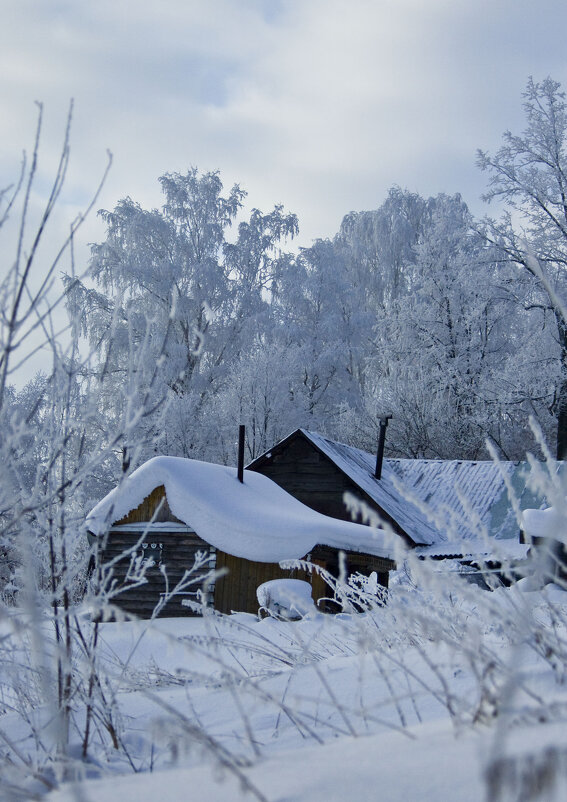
[379,711]
[393,767]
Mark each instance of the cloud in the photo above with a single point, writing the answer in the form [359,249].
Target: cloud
[319,104]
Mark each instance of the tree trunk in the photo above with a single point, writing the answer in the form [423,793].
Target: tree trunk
[562,422]
[562,396]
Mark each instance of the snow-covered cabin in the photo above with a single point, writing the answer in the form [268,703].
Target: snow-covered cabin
[441,508]
[171,508]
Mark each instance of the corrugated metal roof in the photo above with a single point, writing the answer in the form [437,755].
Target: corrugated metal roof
[495,549]
[437,501]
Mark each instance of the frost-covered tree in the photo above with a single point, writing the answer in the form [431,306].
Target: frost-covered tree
[529,175]
[449,348]
[182,290]
[261,392]
[382,242]
[46,465]
[321,313]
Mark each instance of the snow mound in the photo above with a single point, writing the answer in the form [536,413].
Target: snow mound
[549,523]
[286,598]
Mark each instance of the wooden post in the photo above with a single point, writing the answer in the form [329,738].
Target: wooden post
[241,433]
[381,440]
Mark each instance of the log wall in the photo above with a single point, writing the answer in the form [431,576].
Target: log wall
[237,590]
[309,476]
[153,508]
[173,551]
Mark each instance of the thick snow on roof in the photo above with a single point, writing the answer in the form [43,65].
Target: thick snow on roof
[256,519]
[549,523]
[435,501]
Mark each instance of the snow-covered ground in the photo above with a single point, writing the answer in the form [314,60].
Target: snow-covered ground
[453,694]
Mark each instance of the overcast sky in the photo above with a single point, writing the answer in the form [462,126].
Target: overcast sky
[321,105]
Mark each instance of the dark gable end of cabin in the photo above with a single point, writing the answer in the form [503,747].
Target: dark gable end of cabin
[301,469]
[304,472]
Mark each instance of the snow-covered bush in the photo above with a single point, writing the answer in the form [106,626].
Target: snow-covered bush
[56,451]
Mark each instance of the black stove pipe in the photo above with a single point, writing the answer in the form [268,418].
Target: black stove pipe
[241,434]
[381,439]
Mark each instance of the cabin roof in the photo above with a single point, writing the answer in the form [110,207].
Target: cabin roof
[433,501]
[496,549]
[256,519]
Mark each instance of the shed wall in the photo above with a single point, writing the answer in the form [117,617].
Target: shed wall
[173,551]
[301,469]
[309,476]
[304,472]
[237,589]
[154,507]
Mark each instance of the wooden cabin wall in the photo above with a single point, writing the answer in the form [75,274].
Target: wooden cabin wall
[175,550]
[355,562]
[313,479]
[237,589]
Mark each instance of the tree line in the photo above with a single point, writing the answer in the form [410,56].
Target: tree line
[454,326]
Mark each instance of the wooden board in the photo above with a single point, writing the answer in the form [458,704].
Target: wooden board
[313,479]
[153,508]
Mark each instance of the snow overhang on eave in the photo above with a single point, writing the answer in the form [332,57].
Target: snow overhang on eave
[256,520]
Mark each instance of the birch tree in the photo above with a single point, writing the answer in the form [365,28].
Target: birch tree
[453,356]
[173,276]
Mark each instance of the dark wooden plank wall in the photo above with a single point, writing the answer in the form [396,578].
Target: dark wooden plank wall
[355,563]
[146,511]
[319,588]
[236,591]
[175,550]
[309,476]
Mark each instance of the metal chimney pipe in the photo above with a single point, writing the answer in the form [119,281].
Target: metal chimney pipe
[381,439]
[241,434]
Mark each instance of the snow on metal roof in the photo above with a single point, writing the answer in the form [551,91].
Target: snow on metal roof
[256,519]
[437,501]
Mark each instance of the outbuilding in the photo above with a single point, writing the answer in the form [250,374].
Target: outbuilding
[173,520]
